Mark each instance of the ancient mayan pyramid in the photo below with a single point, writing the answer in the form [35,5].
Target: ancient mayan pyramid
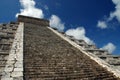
[31,50]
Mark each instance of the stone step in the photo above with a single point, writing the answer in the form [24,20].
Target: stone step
[8,32]
[69,73]
[6,43]
[3,63]
[4,53]
[3,57]
[2,66]
[70,77]
[7,36]
[5,48]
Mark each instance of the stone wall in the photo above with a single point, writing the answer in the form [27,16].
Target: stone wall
[32,20]
[14,66]
[7,33]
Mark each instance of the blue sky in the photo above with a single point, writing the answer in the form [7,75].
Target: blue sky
[74,14]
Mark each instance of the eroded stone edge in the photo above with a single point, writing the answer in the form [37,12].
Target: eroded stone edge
[14,66]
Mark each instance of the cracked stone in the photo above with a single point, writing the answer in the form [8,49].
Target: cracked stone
[17,74]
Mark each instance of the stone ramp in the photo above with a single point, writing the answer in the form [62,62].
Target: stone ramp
[14,65]
[49,57]
[7,33]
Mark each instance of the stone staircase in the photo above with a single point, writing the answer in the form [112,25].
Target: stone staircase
[49,57]
[7,32]
[113,60]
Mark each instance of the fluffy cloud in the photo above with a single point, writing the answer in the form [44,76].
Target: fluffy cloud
[55,22]
[79,33]
[114,14]
[109,47]
[102,24]
[29,9]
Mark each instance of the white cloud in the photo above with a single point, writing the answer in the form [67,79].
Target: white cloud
[55,22]
[116,13]
[29,9]
[109,47]
[102,24]
[79,33]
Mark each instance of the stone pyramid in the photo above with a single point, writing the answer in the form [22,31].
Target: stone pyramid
[31,50]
